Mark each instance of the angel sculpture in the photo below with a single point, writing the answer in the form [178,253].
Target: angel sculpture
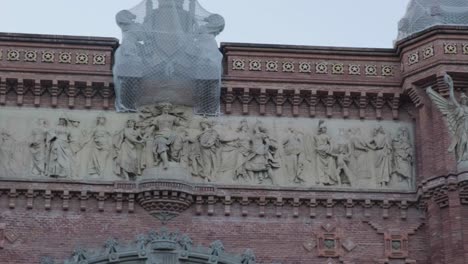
[456,115]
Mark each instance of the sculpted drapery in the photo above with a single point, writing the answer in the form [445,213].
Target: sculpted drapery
[456,115]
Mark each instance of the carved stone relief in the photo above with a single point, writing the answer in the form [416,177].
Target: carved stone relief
[456,116]
[164,141]
[157,247]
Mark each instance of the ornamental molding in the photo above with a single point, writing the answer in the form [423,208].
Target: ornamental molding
[48,56]
[305,67]
[438,189]
[165,200]
[161,247]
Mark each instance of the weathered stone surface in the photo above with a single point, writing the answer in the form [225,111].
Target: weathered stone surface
[167,142]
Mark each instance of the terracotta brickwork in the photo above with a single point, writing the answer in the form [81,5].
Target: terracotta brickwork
[281,225]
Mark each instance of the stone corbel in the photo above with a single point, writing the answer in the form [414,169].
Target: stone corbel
[106,94]
[345,102]
[403,205]
[394,104]
[295,203]
[66,196]
[313,101]
[279,206]
[71,91]
[262,202]
[367,205]
[101,197]
[246,98]
[3,91]
[262,100]
[329,204]
[131,203]
[48,199]
[229,99]
[313,208]
[378,103]
[38,91]
[199,205]
[20,92]
[13,194]
[227,205]
[385,205]
[244,202]
[89,92]
[30,195]
[211,202]
[362,103]
[329,102]
[279,102]
[54,90]
[84,196]
[349,204]
[296,100]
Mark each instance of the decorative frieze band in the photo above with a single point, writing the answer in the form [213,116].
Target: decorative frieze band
[320,67]
[429,51]
[49,56]
[38,89]
[314,100]
[158,195]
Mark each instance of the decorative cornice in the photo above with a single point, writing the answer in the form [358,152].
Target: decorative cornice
[167,199]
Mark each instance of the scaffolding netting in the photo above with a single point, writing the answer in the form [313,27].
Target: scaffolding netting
[168,54]
[423,14]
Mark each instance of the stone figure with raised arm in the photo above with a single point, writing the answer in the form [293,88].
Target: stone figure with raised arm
[382,146]
[168,144]
[456,115]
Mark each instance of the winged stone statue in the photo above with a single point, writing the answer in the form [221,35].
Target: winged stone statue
[456,115]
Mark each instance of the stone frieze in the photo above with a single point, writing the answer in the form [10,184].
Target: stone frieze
[168,142]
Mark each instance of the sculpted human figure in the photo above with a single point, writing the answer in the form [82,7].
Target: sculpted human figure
[293,146]
[167,143]
[37,148]
[456,115]
[382,146]
[7,154]
[209,143]
[359,158]
[403,156]
[100,149]
[128,146]
[342,155]
[228,151]
[263,156]
[325,161]
[59,150]
[244,150]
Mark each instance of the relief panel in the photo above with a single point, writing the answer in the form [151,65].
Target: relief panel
[168,142]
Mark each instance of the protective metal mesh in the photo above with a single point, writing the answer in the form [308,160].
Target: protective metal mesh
[168,54]
[422,14]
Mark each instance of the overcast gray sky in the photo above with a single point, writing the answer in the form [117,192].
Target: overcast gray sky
[349,23]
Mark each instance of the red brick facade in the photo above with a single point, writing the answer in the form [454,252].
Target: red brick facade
[289,226]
